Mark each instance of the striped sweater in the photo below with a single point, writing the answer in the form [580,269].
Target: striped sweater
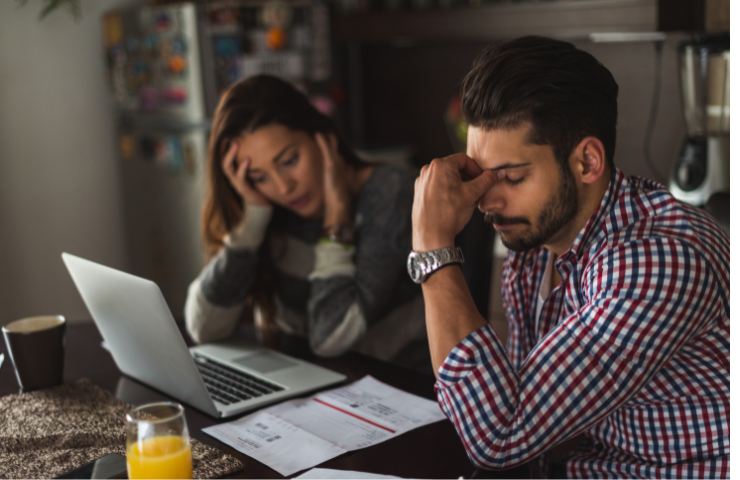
[339,297]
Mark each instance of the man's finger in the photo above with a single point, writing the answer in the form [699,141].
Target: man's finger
[476,187]
[465,164]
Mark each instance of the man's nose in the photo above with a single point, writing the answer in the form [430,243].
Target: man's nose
[492,201]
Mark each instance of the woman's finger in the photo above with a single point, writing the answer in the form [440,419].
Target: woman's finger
[241,172]
[334,144]
[228,162]
[324,147]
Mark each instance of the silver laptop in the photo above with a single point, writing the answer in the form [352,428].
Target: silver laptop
[221,379]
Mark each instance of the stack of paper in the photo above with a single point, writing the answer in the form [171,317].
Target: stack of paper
[299,434]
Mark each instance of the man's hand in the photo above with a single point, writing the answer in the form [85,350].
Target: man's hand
[444,202]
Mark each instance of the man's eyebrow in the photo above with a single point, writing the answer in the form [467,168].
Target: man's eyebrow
[509,165]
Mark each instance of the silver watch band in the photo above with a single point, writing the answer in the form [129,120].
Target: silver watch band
[421,265]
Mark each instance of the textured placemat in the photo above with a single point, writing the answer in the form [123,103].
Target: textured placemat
[48,432]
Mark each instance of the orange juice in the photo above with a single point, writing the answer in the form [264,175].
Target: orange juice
[167,456]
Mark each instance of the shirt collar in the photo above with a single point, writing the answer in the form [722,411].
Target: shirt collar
[595,226]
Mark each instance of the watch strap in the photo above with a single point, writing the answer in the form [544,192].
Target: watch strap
[421,265]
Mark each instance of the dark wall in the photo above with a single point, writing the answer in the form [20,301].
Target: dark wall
[406,93]
[402,91]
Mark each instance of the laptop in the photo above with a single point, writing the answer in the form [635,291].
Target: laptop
[222,379]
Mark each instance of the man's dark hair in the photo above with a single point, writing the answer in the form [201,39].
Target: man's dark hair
[564,92]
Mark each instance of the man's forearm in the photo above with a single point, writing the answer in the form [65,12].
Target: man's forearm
[450,312]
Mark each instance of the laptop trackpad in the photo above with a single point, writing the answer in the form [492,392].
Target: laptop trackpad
[264,362]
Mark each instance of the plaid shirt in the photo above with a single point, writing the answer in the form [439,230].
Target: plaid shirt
[631,349]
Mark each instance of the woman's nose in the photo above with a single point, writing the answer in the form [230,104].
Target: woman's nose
[284,184]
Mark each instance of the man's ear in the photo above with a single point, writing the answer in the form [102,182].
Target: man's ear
[590,161]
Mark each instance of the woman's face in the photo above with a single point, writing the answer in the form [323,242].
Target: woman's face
[286,167]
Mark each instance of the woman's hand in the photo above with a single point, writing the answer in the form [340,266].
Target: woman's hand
[337,197]
[236,173]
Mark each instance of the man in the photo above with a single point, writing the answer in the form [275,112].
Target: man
[616,294]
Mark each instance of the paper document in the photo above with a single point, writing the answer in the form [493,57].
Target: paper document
[339,474]
[302,433]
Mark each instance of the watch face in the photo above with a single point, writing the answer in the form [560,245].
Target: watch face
[413,268]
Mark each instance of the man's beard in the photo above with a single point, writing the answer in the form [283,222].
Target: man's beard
[556,214]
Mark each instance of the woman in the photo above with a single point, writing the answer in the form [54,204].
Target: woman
[301,233]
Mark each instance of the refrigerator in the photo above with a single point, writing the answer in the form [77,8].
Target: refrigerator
[167,66]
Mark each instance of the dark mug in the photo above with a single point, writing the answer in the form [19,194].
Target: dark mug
[36,348]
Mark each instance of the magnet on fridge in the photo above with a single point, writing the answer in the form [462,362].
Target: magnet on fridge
[276,13]
[276,16]
[188,156]
[175,95]
[162,152]
[177,64]
[175,159]
[275,38]
[163,21]
[127,146]
[112,30]
[226,46]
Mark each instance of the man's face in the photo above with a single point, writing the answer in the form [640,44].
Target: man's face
[533,200]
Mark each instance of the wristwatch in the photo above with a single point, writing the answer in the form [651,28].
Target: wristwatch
[421,265]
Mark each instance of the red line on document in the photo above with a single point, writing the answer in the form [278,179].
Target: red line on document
[367,420]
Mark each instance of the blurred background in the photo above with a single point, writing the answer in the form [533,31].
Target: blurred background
[107,103]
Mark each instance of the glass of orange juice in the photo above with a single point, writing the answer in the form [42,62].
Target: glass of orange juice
[157,442]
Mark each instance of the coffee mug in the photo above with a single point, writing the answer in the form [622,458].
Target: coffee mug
[36,349]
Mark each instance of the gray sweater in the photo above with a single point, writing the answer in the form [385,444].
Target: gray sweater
[340,297]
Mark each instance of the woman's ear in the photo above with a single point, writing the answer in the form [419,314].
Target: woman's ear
[590,160]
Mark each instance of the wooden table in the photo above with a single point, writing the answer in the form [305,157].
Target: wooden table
[433,451]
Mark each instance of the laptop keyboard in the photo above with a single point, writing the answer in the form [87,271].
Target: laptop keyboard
[228,385]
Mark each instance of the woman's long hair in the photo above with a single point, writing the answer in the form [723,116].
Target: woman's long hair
[246,106]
